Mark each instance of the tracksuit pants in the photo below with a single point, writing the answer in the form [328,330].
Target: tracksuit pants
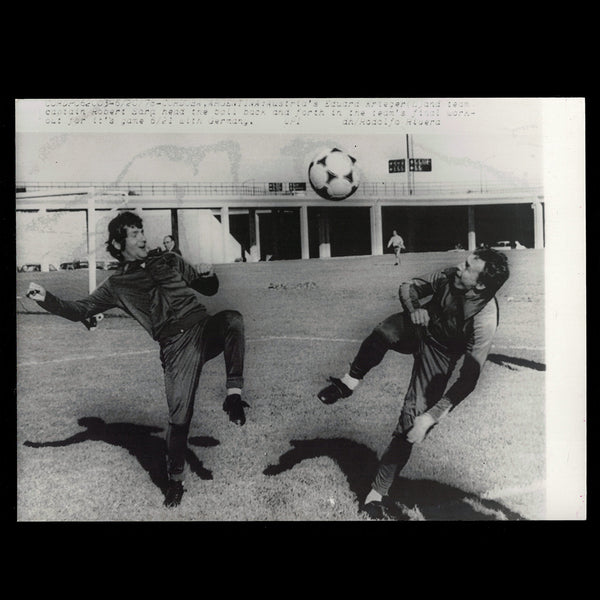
[432,368]
[183,357]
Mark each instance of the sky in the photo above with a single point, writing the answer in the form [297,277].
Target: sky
[238,157]
[224,140]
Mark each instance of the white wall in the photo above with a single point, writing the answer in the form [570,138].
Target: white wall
[201,238]
[58,237]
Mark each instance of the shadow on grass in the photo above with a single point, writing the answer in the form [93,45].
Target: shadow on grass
[140,441]
[507,361]
[425,499]
[408,499]
[356,461]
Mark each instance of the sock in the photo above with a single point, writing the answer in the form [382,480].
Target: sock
[351,382]
[231,391]
[373,496]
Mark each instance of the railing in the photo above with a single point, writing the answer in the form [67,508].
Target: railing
[368,188]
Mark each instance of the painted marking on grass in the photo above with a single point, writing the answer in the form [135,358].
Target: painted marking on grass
[302,338]
[531,348]
[268,338]
[66,359]
[359,341]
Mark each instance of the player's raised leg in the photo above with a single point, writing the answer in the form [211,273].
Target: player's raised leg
[225,333]
[395,333]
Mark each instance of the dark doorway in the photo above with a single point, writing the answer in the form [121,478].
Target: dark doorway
[280,234]
[426,228]
[348,231]
[238,227]
[509,222]
[440,228]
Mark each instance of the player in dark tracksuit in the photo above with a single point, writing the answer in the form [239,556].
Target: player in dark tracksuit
[446,315]
[162,292]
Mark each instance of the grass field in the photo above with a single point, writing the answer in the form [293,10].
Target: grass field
[91,411]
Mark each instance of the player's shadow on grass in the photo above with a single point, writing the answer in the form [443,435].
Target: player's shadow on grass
[140,441]
[425,499]
[409,499]
[356,461]
[507,361]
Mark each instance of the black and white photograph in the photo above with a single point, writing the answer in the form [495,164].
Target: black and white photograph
[300,309]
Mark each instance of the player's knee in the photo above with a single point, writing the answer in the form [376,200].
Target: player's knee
[235,320]
[178,421]
[178,426]
[385,334]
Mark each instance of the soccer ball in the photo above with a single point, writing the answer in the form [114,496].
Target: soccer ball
[333,174]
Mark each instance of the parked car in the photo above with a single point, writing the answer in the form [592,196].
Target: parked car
[30,267]
[503,245]
[66,266]
[107,265]
[506,245]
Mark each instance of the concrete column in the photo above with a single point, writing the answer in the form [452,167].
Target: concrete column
[254,249]
[324,243]
[225,233]
[257,228]
[91,225]
[376,232]
[538,225]
[42,241]
[471,237]
[304,249]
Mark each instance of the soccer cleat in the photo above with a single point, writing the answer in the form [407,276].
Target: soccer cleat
[374,510]
[234,407]
[333,392]
[174,493]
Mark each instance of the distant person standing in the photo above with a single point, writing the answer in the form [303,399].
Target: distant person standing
[171,245]
[398,244]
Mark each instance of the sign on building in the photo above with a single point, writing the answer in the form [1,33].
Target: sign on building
[396,165]
[298,186]
[419,164]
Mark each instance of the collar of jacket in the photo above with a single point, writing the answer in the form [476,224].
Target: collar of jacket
[136,265]
[472,304]
[132,265]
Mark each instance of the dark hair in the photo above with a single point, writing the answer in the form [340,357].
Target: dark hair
[175,248]
[117,231]
[496,271]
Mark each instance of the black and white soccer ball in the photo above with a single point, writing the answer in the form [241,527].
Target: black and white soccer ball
[334,174]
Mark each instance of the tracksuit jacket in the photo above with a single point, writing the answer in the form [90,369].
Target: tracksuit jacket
[161,293]
[460,323]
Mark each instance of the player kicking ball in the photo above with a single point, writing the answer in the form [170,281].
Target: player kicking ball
[447,315]
[162,293]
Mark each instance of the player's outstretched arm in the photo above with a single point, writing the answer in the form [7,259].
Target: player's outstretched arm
[206,270]
[36,292]
[201,278]
[74,439]
[423,423]
[207,282]
[100,300]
